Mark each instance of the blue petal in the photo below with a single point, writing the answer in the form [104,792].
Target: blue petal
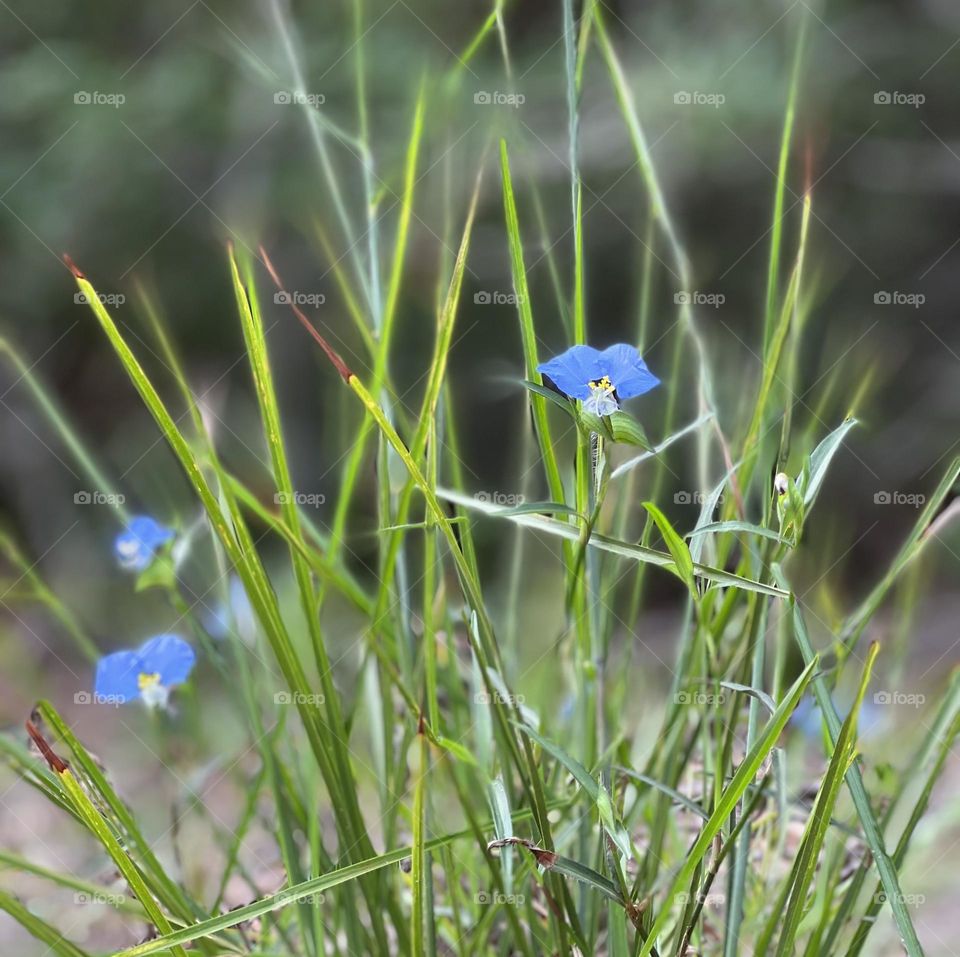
[627,371]
[149,531]
[116,679]
[135,545]
[573,371]
[169,656]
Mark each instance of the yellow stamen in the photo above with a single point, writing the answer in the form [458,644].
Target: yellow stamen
[601,384]
[145,681]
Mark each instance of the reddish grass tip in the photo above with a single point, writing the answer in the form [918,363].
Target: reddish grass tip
[53,759]
[72,266]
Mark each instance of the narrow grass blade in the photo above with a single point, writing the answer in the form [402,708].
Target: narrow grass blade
[47,934]
[820,460]
[527,331]
[861,801]
[806,864]
[728,800]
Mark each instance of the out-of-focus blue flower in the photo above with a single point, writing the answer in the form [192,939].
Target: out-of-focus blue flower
[237,614]
[147,672]
[808,719]
[138,542]
[601,380]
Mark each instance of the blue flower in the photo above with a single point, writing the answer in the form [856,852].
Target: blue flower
[136,545]
[148,672]
[601,380]
[237,613]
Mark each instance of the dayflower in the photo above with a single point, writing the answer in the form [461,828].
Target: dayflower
[147,672]
[236,613]
[136,545]
[601,380]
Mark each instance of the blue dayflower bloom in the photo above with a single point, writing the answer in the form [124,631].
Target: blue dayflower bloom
[808,719]
[236,613]
[136,545]
[600,379]
[147,672]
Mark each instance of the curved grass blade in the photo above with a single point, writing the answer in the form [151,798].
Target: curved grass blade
[638,553]
[820,460]
[682,560]
[736,526]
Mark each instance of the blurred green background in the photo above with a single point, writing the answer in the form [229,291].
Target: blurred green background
[142,138]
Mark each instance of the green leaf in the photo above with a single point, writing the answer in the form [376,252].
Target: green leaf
[612,824]
[551,395]
[624,428]
[820,460]
[692,427]
[757,693]
[682,559]
[737,526]
[160,573]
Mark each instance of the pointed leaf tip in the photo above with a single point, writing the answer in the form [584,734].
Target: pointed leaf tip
[72,266]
